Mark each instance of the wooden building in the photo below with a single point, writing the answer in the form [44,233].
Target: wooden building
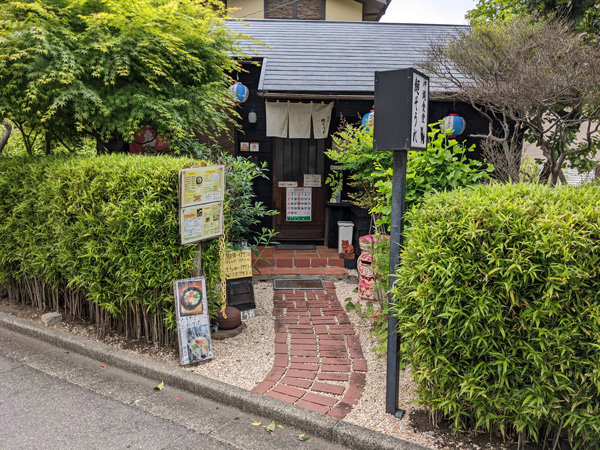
[310,65]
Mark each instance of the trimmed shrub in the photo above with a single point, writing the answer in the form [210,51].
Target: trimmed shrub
[98,237]
[498,299]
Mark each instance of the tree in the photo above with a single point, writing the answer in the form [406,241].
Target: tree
[581,15]
[103,68]
[5,135]
[526,75]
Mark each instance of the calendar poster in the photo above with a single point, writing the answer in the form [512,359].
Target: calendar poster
[298,204]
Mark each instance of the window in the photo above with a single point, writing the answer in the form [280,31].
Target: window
[295,9]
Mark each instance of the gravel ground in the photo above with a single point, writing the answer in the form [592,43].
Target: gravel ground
[370,411]
[253,349]
[245,360]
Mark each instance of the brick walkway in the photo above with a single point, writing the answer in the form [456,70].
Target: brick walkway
[319,363]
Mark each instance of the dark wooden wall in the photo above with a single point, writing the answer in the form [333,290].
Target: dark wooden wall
[351,111]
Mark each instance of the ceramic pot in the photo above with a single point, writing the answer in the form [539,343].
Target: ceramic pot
[234,318]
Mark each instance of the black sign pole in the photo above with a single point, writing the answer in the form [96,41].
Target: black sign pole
[401,110]
[397,219]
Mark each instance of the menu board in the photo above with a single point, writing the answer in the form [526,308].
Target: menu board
[193,323]
[237,264]
[201,222]
[200,185]
[298,204]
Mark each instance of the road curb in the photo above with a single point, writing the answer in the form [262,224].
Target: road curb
[336,431]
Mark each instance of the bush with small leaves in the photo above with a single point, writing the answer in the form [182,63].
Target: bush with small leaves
[99,238]
[498,303]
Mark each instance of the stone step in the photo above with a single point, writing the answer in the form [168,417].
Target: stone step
[300,262]
[322,262]
[299,271]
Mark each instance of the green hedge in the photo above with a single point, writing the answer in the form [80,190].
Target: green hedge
[99,237]
[499,309]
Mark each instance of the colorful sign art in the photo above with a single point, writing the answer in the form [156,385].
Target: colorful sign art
[147,142]
[193,322]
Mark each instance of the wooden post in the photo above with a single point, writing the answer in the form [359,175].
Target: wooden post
[198,260]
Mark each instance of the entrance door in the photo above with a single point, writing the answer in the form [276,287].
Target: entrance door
[301,208]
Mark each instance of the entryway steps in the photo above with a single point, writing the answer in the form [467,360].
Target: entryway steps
[318,262]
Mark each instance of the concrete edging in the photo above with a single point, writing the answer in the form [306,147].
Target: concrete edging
[336,431]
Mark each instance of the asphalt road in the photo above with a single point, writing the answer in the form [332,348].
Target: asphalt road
[53,399]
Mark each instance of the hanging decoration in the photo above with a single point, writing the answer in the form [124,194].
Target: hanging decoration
[368,120]
[453,122]
[239,91]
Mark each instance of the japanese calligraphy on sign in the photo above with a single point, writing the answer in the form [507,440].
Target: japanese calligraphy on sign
[312,180]
[420,102]
[401,110]
[237,264]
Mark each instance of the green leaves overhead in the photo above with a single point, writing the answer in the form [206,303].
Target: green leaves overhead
[499,309]
[106,67]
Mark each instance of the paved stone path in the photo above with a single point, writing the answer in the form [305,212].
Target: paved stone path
[319,363]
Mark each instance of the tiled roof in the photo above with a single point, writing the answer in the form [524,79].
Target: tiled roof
[336,57]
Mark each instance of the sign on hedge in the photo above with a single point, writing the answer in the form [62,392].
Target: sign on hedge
[201,196]
[199,223]
[201,185]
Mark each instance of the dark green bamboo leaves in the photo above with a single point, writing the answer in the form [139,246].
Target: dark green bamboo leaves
[499,309]
[99,238]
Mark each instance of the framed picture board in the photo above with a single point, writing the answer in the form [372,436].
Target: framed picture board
[200,185]
[201,222]
[193,322]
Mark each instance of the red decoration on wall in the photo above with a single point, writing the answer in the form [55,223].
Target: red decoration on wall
[146,142]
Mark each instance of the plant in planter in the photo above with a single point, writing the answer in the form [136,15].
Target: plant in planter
[443,166]
[335,180]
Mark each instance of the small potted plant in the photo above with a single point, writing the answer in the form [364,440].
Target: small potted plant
[335,180]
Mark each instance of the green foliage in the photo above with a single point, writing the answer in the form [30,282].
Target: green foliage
[16,146]
[353,152]
[530,171]
[498,304]
[261,242]
[73,68]
[443,166]
[494,10]
[243,212]
[377,312]
[104,228]
[335,181]
[583,16]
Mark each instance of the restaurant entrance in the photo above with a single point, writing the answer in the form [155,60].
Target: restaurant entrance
[299,189]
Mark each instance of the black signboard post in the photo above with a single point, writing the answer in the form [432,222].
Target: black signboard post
[401,108]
